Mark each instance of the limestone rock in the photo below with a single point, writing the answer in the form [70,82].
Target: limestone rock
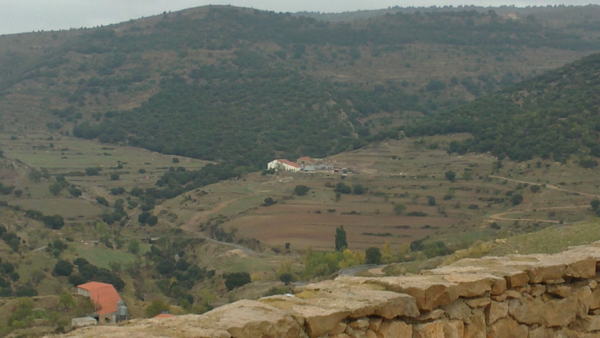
[496,311]
[454,329]
[475,326]
[507,328]
[429,330]
[458,310]
[478,302]
[395,329]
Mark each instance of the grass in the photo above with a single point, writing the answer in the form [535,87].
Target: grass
[102,257]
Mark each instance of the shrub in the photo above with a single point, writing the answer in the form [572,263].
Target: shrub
[359,189]
[431,200]
[301,190]
[286,278]
[102,201]
[373,256]
[342,188]
[236,279]
[516,199]
[450,175]
[62,268]
[92,171]
[53,222]
[155,308]
[269,201]
[399,209]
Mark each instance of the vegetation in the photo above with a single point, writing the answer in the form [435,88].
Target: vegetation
[340,239]
[552,116]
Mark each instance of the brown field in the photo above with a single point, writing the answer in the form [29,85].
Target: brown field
[395,172]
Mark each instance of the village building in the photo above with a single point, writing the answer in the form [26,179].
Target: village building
[284,165]
[110,308]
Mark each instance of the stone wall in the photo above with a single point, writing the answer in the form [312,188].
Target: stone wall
[514,296]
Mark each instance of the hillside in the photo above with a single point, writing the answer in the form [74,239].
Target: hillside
[202,82]
[554,115]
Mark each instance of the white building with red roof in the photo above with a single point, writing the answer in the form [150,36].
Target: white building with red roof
[110,308]
[283,165]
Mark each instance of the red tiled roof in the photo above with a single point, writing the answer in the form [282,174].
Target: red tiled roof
[164,315]
[104,296]
[290,163]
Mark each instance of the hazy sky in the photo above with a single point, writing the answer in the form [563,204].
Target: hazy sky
[30,15]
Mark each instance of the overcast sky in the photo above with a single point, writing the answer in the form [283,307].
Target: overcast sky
[32,15]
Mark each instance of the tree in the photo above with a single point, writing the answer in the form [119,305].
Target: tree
[134,247]
[359,189]
[286,278]
[595,204]
[450,175]
[301,190]
[373,256]
[340,239]
[399,208]
[431,200]
[516,199]
[53,222]
[269,201]
[62,268]
[342,188]
[101,200]
[236,279]
[156,307]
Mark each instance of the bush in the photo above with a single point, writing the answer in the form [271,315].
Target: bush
[269,201]
[516,199]
[62,268]
[399,209]
[53,222]
[595,204]
[92,171]
[114,177]
[102,201]
[535,188]
[236,279]
[373,256]
[431,200]
[286,278]
[301,190]
[155,308]
[450,175]
[359,189]
[343,188]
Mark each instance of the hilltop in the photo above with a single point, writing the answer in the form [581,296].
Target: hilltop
[211,81]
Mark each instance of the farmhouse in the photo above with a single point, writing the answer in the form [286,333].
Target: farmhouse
[110,308]
[283,165]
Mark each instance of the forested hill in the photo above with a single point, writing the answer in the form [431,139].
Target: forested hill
[554,115]
[241,86]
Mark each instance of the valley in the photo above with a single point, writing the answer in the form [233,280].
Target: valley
[136,154]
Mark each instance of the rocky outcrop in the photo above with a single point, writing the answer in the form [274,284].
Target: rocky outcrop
[515,296]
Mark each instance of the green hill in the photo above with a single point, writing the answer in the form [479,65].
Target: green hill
[553,116]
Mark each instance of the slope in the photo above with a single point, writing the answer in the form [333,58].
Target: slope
[553,115]
[240,70]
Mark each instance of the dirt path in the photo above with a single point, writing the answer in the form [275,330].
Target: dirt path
[500,216]
[549,186]
[203,216]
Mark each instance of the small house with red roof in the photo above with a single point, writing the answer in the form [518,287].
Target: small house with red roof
[284,165]
[110,308]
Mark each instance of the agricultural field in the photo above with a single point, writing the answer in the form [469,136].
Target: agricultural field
[112,167]
[407,197]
